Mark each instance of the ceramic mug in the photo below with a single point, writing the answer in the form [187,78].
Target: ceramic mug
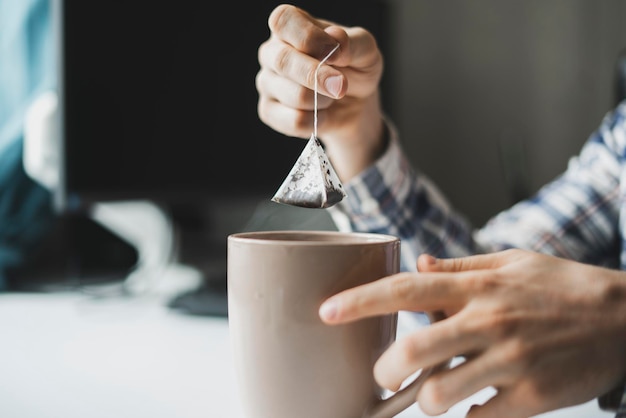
[288,362]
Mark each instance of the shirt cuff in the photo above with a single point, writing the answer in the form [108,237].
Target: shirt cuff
[385,180]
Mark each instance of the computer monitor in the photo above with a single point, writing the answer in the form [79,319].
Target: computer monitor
[158,100]
[159,103]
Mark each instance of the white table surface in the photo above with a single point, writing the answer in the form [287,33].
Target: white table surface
[68,355]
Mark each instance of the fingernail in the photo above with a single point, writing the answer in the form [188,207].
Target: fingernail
[328,310]
[430,260]
[333,85]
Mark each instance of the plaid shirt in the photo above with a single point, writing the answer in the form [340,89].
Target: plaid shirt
[580,215]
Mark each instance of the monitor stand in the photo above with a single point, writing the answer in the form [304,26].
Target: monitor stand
[195,236]
[209,299]
[202,244]
[159,270]
[205,245]
[180,236]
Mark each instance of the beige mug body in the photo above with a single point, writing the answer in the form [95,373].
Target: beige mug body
[288,362]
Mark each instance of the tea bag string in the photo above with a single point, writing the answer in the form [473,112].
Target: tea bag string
[315,89]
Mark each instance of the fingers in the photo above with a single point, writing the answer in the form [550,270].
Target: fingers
[299,41]
[297,45]
[428,263]
[424,348]
[317,37]
[287,106]
[505,403]
[445,389]
[403,291]
[290,70]
[299,29]
[288,92]
[301,68]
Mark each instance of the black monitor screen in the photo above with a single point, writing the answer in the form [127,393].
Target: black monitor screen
[159,101]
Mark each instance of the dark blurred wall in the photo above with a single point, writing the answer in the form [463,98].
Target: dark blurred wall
[492,97]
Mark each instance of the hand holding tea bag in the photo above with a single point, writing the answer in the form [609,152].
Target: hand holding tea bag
[312,182]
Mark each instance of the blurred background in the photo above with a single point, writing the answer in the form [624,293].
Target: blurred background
[157,104]
[493,97]
[145,151]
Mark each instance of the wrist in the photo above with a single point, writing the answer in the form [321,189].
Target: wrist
[360,144]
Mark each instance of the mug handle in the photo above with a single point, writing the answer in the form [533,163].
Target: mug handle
[405,397]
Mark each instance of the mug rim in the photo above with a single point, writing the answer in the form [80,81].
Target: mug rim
[334,237]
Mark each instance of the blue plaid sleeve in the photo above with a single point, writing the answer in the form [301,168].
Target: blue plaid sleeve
[575,216]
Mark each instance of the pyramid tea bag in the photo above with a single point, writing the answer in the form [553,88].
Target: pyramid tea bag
[312,182]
